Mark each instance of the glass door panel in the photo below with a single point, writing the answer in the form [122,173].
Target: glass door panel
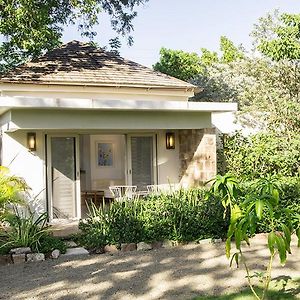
[142,161]
[63,177]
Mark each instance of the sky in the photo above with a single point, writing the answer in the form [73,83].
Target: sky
[188,25]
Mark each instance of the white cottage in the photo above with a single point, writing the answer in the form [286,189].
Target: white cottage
[79,119]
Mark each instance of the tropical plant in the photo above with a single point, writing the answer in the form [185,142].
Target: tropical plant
[24,231]
[12,190]
[244,217]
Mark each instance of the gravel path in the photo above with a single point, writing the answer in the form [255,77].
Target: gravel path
[178,273]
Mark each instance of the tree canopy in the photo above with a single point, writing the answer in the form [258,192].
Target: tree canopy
[186,66]
[177,63]
[31,27]
[268,87]
[278,36]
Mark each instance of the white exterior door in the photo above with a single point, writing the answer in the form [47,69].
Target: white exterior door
[141,160]
[63,177]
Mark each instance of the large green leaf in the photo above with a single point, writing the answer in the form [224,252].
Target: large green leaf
[298,236]
[287,237]
[281,248]
[259,206]
[236,213]
[228,247]
[238,236]
[271,241]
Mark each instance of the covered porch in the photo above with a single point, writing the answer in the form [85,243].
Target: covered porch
[82,152]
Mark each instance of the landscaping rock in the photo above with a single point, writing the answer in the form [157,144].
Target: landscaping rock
[143,246]
[33,257]
[110,249]
[128,247]
[156,245]
[22,250]
[71,244]
[168,244]
[76,251]
[216,241]
[18,258]
[55,254]
[5,260]
[205,242]
[99,250]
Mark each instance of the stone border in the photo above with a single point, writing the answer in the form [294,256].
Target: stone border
[22,255]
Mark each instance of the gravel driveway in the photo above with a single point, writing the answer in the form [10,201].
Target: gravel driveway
[177,273]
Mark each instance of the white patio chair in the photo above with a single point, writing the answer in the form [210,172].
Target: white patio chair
[123,192]
[166,188]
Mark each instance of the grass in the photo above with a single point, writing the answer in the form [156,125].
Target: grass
[282,288]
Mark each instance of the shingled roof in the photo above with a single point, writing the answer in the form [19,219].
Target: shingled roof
[77,63]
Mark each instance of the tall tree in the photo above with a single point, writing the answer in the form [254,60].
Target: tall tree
[187,66]
[277,36]
[31,27]
[177,63]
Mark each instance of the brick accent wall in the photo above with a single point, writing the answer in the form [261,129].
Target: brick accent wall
[197,154]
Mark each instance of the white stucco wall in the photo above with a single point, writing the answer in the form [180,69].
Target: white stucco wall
[167,160]
[26,164]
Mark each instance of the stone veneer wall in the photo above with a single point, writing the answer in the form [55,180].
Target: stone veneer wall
[197,154]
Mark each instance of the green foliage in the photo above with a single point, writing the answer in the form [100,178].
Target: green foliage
[177,63]
[283,289]
[24,231]
[260,202]
[267,92]
[261,154]
[181,216]
[289,202]
[278,36]
[12,190]
[32,26]
[187,66]
[208,58]
[48,243]
[229,51]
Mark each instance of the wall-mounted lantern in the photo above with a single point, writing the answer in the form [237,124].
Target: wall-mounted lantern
[31,141]
[170,140]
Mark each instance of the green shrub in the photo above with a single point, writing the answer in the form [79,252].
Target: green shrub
[12,189]
[185,215]
[262,154]
[48,243]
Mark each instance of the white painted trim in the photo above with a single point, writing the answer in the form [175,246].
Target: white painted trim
[99,89]
[7,103]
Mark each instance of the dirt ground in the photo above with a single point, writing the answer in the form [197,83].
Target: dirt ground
[181,272]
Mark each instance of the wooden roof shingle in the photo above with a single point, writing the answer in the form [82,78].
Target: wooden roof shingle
[77,63]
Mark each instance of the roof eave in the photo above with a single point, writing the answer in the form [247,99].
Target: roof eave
[188,87]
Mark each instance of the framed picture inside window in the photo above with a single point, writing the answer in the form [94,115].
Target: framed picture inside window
[105,154]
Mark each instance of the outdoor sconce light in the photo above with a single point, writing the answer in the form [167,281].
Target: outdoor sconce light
[170,140]
[31,141]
